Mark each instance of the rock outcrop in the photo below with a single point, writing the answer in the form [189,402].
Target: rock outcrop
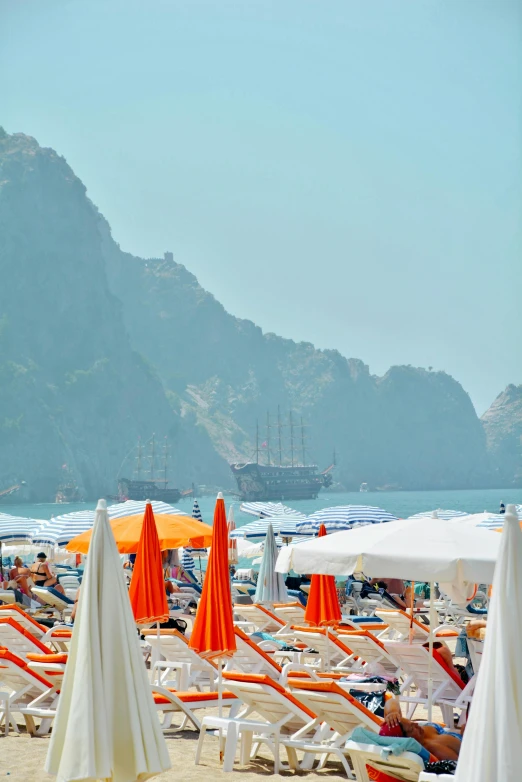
[503,427]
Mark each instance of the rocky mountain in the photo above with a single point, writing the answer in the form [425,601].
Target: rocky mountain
[503,427]
[73,390]
[98,346]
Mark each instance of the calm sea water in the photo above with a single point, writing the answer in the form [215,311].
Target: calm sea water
[401,503]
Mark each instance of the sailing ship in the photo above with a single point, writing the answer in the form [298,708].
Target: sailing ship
[145,483]
[286,474]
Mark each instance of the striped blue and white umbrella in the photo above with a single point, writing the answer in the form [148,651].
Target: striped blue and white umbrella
[60,530]
[267,509]
[187,560]
[440,513]
[18,529]
[496,520]
[282,525]
[343,517]
[200,552]
[196,513]
[271,586]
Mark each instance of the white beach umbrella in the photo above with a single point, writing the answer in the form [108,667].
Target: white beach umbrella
[492,745]
[281,525]
[271,586]
[440,513]
[106,726]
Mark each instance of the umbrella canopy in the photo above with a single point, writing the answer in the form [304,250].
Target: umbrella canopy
[232,543]
[496,520]
[419,549]
[213,634]
[106,726]
[285,526]
[17,529]
[60,530]
[439,514]
[343,517]
[196,513]
[265,509]
[187,560]
[147,588]
[174,531]
[492,744]
[271,587]
[322,607]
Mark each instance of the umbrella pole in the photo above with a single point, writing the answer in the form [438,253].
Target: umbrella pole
[327,661]
[156,651]
[220,706]
[430,662]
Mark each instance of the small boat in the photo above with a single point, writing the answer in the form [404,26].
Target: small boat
[363,487]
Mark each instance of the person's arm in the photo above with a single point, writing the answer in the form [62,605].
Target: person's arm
[443,747]
[392,712]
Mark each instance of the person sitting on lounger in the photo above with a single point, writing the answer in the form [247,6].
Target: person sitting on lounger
[19,573]
[444,744]
[42,576]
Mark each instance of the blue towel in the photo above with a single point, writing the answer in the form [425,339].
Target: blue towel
[394,745]
[364,620]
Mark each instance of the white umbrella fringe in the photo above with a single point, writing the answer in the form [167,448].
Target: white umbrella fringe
[106,726]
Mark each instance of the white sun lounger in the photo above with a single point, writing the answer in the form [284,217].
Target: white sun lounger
[369,759]
[31,694]
[170,702]
[18,640]
[61,605]
[24,618]
[188,667]
[370,651]
[259,618]
[399,627]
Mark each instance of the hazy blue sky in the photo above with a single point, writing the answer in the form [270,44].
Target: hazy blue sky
[346,173]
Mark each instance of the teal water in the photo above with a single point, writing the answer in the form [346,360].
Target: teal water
[401,503]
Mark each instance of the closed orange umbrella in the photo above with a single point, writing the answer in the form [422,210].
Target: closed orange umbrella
[213,634]
[173,531]
[147,588]
[322,607]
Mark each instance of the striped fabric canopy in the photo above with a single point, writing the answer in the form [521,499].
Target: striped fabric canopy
[445,515]
[496,520]
[265,509]
[343,517]
[60,530]
[284,526]
[196,513]
[17,529]
[187,560]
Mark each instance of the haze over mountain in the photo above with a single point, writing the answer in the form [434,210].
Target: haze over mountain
[99,347]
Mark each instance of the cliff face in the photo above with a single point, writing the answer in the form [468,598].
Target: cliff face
[503,427]
[411,428]
[72,389]
[98,347]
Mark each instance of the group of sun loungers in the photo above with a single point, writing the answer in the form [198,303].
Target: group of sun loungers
[286,686]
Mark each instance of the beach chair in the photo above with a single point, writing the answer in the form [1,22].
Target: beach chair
[290,613]
[449,691]
[31,694]
[336,708]
[60,604]
[373,624]
[7,597]
[70,584]
[333,653]
[18,640]
[371,763]
[399,627]
[370,651]
[189,668]
[26,620]
[259,618]
[279,715]
[170,701]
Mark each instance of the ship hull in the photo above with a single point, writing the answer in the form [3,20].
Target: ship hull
[258,482]
[147,490]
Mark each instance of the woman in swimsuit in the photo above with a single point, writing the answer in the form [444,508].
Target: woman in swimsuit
[442,744]
[42,575]
[19,573]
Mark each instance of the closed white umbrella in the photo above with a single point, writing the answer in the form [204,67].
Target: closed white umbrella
[492,745]
[232,543]
[106,725]
[271,586]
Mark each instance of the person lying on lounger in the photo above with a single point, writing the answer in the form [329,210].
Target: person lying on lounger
[442,743]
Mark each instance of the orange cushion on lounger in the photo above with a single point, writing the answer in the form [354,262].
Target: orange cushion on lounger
[447,634]
[376,775]
[334,688]
[244,637]
[47,658]
[62,634]
[192,697]
[21,629]
[5,654]
[289,605]
[306,675]
[262,678]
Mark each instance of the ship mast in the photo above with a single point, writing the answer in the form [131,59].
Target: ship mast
[257,441]
[279,435]
[138,459]
[303,443]
[268,438]
[165,460]
[152,456]
[291,437]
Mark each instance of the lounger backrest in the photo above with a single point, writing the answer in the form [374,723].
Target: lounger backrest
[174,647]
[414,660]
[259,616]
[370,649]
[249,658]
[51,599]
[318,639]
[400,621]
[269,699]
[16,675]
[290,613]
[17,639]
[27,621]
[334,705]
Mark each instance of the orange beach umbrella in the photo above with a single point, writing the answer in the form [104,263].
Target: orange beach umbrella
[173,531]
[147,589]
[213,634]
[322,607]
